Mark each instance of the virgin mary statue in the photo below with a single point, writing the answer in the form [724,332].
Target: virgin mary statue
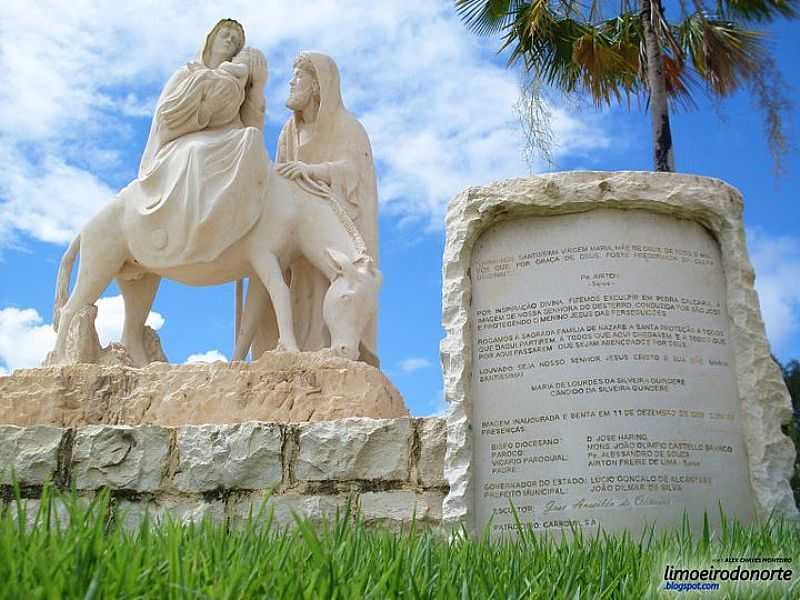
[204,169]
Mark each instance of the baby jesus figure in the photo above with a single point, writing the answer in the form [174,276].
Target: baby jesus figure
[210,97]
[238,66]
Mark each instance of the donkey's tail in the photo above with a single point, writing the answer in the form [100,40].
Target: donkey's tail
[237,313]
[62,280]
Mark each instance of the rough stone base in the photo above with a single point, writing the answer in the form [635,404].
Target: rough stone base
[280,387]
[83,345]
[388,471]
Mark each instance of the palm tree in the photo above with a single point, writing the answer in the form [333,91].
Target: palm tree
[576,47]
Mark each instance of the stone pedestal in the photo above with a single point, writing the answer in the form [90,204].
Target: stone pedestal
[279,387]
[388,471]
[605,357]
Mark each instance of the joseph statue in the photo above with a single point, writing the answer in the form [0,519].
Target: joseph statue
[323,147]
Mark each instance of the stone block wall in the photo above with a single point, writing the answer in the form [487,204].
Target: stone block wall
[389,470]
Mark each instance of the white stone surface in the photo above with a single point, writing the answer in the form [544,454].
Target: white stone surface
[171,472]
[280,386]
[315,508]
[83,344]
[433,445]
[122,458]
[401,506]
[246,456]
[335,159]
[354,449]
[30,452]
[200,219]
[603,376]
[180,510]
[713,204]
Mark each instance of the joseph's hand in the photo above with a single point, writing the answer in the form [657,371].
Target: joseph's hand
[294,169]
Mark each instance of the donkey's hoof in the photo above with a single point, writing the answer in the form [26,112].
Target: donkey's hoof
[344,351]
[282,347]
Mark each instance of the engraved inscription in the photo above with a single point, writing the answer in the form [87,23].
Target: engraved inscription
[603,381]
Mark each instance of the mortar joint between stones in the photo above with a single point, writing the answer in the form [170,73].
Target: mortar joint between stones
[8,492]
[173,458]
[415,452]
[63,474]
[290,450]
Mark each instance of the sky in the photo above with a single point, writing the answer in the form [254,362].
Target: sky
[79,85]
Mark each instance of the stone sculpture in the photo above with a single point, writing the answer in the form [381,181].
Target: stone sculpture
[326,150]
[605,361]
[207,208]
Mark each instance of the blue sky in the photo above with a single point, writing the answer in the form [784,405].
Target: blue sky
[80,82]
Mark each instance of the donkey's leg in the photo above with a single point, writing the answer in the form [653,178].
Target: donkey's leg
[254,308]
[103,251]
[269,271]
[138,295]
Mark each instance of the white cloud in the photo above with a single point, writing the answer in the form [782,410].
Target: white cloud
[410,365]
[25,339]
[49,199]
[78,76]
[776,261]
[206,357]
[111,317]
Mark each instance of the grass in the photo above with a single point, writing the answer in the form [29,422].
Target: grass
[90,555]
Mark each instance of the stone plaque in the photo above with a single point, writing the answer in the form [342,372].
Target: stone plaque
[603,377]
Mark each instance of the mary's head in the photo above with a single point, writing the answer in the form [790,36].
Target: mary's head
[223,42]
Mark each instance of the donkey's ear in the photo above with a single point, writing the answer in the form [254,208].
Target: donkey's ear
[339,260]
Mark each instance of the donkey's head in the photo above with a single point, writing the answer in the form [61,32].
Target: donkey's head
[351,301]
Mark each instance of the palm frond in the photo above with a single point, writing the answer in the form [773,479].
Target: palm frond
[605,70]
[626,34]
[722,53]
[487,17]
[545,43]
[664,30]
[537,18]
[757,10]
[679,82]
[603,60]
[771,97]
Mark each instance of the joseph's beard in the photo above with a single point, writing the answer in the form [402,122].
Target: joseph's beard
[295,103]
[299,104]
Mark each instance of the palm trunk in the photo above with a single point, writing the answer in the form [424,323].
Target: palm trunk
[656,83]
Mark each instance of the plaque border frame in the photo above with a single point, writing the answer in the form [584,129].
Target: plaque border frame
[717,206]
